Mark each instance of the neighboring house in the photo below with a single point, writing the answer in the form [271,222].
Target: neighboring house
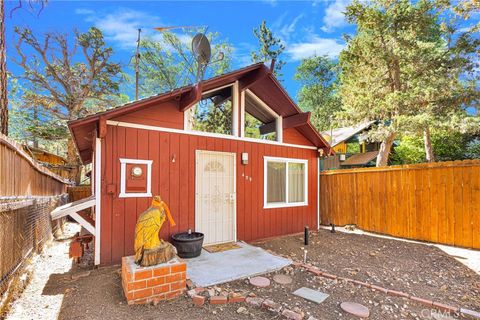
[351,148]
[226,185]
[55,163]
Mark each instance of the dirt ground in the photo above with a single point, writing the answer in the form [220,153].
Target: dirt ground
[417,269]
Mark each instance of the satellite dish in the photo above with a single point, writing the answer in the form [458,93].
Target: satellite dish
[201,49]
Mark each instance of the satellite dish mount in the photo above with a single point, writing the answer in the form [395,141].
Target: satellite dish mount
[202,52]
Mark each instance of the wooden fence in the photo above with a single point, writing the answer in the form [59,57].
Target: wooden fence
[79,192]
[28,193]
[437,202]
[21,176]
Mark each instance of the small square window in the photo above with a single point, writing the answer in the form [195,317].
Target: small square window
[135,178]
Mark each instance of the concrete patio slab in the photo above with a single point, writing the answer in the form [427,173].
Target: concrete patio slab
[214,268]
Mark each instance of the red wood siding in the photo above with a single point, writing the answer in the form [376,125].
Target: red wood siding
[165,115]
[175,182]
[291,135]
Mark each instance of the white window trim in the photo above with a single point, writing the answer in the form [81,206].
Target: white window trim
[123,175]
[97,166]
[235,110]
[318,193]
[285,204]
[242,114]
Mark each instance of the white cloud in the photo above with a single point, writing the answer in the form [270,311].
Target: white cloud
[302,41]
[121,26]
[314,46]
[285,30]
[288,29]
[334,15]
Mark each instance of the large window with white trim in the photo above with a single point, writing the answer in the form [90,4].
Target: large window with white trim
[285,182]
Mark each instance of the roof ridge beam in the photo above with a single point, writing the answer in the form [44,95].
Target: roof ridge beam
[251,78]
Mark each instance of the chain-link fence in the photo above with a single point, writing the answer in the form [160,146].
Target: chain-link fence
[25,227]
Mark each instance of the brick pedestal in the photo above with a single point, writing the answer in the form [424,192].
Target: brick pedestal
[152,284]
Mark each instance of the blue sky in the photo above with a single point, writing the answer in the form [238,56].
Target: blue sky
[305,27]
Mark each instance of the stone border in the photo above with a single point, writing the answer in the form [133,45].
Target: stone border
[232,297]
[430,303]
[254,301]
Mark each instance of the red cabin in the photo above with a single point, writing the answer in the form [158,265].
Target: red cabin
[254,176]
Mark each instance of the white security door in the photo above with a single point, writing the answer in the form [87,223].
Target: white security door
[215,198]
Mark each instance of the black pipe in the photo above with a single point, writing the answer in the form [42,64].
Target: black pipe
[306,236]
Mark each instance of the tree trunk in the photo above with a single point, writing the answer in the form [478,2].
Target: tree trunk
[385,148]
[36,123]
[3,73]
[74,161]
[429,155]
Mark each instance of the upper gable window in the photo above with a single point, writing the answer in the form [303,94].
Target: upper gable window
[260,120]
[214,111]
[252,128]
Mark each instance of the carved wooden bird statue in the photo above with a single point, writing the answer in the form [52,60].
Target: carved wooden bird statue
[149,248]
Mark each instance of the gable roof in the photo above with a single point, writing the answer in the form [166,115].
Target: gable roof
[342,134]
[360,159]
[257,78]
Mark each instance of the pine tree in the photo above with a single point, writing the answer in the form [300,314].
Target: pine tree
[400,70]
[318,94]
[270,47]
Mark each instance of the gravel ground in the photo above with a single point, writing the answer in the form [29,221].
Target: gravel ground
[34,302]
[426,271]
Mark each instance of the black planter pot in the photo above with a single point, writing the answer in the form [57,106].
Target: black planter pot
[189,245]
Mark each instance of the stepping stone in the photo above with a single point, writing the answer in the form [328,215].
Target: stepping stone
[260,282]
[311,295]
[356,309]
[282,279]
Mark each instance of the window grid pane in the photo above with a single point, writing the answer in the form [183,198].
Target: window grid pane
[276,182]
[296,182]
